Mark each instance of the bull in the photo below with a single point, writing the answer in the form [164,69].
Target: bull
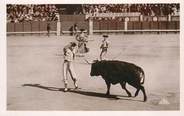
[114,72]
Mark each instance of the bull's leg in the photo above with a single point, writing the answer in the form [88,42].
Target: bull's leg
[136,93]
[139,87]
[144,93]
[108,87]
[123,85]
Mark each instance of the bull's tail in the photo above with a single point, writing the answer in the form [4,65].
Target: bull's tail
[142,77]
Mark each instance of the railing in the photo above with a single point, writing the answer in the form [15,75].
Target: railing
[32,27]
[126,24]
[135,24]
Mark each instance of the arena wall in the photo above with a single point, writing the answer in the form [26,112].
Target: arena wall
[146,23]
[31,27]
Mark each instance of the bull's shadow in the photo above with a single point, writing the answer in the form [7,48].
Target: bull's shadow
[82,92]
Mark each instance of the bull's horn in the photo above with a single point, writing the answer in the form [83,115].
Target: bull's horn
[94,61]
[87,61]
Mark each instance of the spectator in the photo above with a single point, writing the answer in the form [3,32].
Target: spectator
[20,13]
[145,9]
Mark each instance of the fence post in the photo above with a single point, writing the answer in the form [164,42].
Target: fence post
[23,27]
[169,17]
[168,21]
[141,17]
[39,27]
[99,24]
[141,20]
[31,22]
[58,28]
[14,27]
[126,23]
[90,26]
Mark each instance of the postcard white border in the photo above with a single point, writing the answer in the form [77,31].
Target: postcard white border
[4,112]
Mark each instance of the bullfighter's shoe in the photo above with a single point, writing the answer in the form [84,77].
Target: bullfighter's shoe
[65,89]
[75,84]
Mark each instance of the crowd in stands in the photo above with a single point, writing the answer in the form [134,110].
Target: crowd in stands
[20,13]
[46,12]
[144,9]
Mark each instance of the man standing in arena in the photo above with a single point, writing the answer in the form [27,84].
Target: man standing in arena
[82,39]
[69,56]
[75,29]
[104,46]
[48,29]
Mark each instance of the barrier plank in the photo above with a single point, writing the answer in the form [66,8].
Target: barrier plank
[96,25]
[130,25]
[35,25]
[177,23]
[27,26]
[112,25]
[103,25]
[154,25]
[137,25]
[43,25]
[146,25]
[18,27]
[163,25]
[120,25]
[10,27]
[172,25]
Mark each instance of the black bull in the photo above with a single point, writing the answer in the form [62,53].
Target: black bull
[114,72]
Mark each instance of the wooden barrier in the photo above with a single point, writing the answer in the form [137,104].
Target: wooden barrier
[67,21]
[33,27]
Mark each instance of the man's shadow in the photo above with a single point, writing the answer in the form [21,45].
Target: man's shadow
[82,92]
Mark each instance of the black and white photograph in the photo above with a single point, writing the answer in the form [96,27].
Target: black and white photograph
[93,57]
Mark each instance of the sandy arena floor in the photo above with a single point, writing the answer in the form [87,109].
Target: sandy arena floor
[34,74]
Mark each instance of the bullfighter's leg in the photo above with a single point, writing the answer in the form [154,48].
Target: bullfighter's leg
[103,54]
[108,87]
[65,78]
[73,74]
[123,85]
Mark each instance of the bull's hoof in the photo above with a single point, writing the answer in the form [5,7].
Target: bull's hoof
[145,99]
[107,94]
[129,95]
[135,95]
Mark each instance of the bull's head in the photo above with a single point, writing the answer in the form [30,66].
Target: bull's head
[95,68]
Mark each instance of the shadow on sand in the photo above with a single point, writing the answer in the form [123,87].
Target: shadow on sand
[82,92]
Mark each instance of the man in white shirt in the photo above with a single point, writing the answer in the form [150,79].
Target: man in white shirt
[69,56]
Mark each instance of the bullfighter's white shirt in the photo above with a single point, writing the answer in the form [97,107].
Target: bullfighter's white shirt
[69,56]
